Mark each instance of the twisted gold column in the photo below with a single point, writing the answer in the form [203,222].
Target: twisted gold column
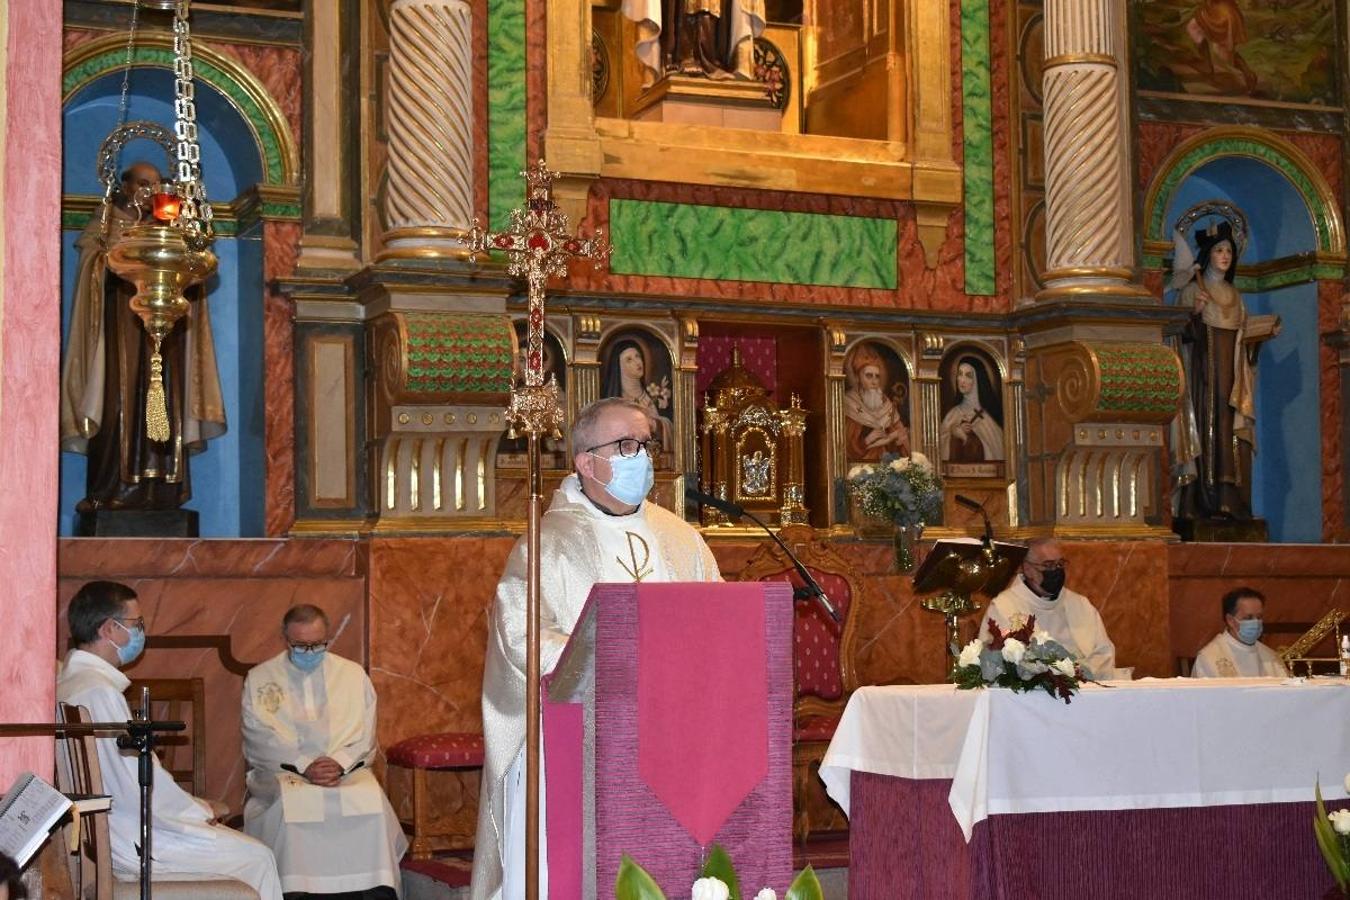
[1089,220]
[428,202]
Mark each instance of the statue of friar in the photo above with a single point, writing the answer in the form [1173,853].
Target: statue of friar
[702,38]
[107,370]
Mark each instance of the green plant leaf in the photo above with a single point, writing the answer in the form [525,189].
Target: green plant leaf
[719,866]
[806,886]
[1328,844]
[634,883]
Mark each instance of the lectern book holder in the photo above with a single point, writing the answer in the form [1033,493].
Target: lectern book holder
[667,728]
[957,568]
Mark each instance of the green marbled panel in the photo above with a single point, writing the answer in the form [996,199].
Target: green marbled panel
[718,242]
[977,125]
[506,108]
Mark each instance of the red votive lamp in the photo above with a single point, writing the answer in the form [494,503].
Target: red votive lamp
[165,203]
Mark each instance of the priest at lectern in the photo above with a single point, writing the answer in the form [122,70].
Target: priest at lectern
[599,528]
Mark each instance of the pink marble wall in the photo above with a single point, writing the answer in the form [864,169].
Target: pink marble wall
[235,589]
[281,248]
[30,339]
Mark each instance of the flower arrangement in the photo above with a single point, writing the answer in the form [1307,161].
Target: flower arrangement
[1024,659]
[902,489]
[717,881]
[1333,839]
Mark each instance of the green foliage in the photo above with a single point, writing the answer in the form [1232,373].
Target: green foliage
[806,886]
[719,866]
[634,883]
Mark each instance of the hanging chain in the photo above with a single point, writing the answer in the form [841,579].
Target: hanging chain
[195,216]
[123,106]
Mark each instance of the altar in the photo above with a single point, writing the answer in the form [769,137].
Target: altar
[1120,793]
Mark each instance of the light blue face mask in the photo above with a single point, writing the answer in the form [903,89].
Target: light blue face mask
[307,660]
[631,479]
[1249,630]
[127,653]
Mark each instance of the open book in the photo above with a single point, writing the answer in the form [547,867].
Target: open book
[27,814]
[943,569]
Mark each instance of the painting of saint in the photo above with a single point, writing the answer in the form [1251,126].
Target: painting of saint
[636,366]
[1281,50]
[876,407]
[971,434]
[553,451]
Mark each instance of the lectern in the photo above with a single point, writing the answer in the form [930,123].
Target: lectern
[667,728]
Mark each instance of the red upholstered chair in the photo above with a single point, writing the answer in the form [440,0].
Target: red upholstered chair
[823,671]
[459,755]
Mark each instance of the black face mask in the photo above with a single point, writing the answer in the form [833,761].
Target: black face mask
[1052,582]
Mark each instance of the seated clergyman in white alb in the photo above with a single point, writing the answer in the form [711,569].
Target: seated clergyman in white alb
[1237,651]
[186,844]
[309,736]
[1070,618]
[599,528]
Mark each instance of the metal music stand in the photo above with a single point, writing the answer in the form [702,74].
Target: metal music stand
[958,569]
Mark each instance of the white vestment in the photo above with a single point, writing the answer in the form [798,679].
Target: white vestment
[579,546]
[327,840]
[1228,657]
[183,845]
[1070,619]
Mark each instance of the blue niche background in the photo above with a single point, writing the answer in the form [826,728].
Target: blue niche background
[1287,466]
[228,476]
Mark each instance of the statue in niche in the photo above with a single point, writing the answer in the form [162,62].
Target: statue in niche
[107,369]
[970,437]
[874,403]
[630,372]
[1214,434]
[700,38]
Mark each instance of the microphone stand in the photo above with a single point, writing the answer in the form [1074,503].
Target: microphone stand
[137,734]
[810,588]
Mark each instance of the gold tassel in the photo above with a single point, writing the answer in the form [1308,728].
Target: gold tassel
[156,413]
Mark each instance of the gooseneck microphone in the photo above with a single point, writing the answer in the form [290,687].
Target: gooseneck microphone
[976,505]
[811,587]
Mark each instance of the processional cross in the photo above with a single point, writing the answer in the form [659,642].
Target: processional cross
[538,246]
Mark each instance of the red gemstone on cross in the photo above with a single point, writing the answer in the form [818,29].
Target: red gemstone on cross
[536,360]
[538,241]
[504,240]
[572,247]
[536,316]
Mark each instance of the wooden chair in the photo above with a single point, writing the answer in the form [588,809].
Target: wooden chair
[823,669]
[78,772]
[182,755]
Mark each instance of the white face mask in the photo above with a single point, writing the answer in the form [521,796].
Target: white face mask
[631,478]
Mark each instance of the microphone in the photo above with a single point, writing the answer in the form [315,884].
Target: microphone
[976,505]
[812,587]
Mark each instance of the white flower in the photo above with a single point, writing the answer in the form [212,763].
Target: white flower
[1041,636]
[856,471]
[1340,820]
[1064,667]
[711,889]
[970,654]
[766,894]
[920,460]
[899,464]
[1013,650]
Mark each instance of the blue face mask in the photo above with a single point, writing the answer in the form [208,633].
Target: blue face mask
[307,660]
[127,653]
[632,478]
[1249,630]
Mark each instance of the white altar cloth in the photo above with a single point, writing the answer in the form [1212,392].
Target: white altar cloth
[1124,745]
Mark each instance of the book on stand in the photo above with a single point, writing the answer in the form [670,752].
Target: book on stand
[28,812]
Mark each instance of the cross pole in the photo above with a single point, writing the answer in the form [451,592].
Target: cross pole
[538,246]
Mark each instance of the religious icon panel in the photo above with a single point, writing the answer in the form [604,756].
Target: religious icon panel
[635,364]
[970,436]
[876,402]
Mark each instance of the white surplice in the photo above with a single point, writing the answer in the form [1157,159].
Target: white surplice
[1071,619]
[184,846]
[1227,657]
[327,840]
[579,546]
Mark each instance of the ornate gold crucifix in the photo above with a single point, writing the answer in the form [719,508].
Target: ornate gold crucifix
[538,246]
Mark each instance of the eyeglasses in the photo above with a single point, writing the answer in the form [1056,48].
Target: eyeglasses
[130,624]
[629,447]
[308,648]
[1050,565]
